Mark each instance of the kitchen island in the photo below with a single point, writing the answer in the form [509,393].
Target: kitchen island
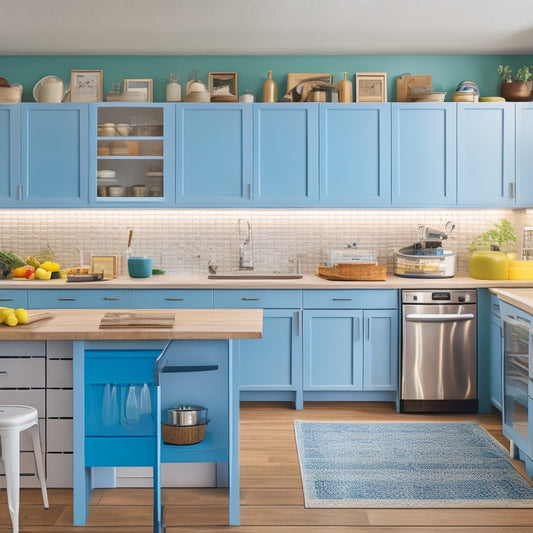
[124,360]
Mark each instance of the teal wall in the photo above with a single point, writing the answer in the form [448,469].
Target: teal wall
[446,71]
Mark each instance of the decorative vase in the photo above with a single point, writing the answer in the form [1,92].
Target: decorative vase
[344,88]
[515,91]
[489,265]
[270,89]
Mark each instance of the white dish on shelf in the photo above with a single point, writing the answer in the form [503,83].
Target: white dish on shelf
[106,173]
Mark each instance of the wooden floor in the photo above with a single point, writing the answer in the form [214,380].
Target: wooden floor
[271,490]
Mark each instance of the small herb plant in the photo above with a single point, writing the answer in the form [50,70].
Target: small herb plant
[501,234]
[508,75]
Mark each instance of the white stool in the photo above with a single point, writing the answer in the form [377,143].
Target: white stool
[13,420]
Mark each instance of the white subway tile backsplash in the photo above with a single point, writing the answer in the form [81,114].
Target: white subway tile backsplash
[184,241]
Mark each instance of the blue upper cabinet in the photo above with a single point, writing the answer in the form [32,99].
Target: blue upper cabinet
[285,155]
[524,154]
[423,154]
[54,155]
[131,148]
[9,154]
[486,154]
[355,163]
[214,154]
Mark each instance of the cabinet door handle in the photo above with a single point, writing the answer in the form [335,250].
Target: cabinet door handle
[250,299]
[368,328]
[174,299]
[342,299]
[249,191]
[355,328]
[109,298]
[3,372]
[6,299]
[511,190]
[297,323]
[19,193]
[67,299]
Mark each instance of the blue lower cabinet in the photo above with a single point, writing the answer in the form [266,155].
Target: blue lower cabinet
[172,299]
[496,356]
[109,451]
[333,348]
[79,299]
[14,298]
[275,362]
[350,350]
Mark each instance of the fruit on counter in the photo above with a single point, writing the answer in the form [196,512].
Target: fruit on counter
[9,261]
[11,320]
[32,261]
[50,266]
[41,273]
[24,272]
[5,312]
[13,317]
[22,315]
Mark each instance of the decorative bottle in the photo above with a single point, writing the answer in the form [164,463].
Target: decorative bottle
[344,88]
[270,89]
[173,88]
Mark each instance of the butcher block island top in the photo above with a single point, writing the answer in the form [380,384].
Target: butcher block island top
[85,324]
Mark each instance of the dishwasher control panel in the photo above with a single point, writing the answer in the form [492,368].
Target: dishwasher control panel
[436,297]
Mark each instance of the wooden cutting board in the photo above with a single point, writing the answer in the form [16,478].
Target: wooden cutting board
[137,320]
[353,272]
[35,317]
[405,83]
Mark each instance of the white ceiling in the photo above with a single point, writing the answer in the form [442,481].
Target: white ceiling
[314,27]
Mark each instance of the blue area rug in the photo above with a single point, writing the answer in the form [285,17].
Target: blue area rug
[405,464]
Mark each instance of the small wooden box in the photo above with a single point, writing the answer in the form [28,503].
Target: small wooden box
[106,264]
[353,272]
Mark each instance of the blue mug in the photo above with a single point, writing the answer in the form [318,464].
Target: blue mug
[140,267]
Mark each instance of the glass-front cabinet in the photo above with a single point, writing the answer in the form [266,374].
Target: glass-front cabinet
[132,154]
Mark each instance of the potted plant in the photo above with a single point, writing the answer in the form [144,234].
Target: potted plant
[514,86]
[493,250]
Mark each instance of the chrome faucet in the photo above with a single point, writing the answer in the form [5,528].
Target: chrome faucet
[246,261]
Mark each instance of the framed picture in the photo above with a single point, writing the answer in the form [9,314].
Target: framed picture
[144,88]
[222,86]
[371,87]
[86,85]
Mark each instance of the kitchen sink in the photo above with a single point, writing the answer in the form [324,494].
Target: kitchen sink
[254,275]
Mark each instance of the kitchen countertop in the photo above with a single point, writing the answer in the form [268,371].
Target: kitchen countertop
[83,324]
[308,281]
[521,298]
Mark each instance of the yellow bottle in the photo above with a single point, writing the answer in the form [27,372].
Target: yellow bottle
[270,89]
[345,90]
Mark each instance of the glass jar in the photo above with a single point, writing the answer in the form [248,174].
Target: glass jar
[173,92]
[247,96]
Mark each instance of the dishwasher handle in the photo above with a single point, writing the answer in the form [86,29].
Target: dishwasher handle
[442,317]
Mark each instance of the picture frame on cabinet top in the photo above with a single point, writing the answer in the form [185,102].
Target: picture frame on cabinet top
[142,87]
[86,85]
[371,87]
[222,86]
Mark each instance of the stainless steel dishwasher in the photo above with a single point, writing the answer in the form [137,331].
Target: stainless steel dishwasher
[439,351]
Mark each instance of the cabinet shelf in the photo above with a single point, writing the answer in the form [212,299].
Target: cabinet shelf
[210,450]
[126,157]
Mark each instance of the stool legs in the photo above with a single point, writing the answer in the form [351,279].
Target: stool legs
[37,454]
[11,459]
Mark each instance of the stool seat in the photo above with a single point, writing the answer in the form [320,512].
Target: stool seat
[17,416]
[13,420]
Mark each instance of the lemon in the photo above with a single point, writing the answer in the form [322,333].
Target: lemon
[5,312]
[22,315]
[11,320]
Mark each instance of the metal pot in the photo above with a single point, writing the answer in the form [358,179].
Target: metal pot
[185,415]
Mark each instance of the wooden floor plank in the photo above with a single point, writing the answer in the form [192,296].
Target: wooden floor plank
[271,489]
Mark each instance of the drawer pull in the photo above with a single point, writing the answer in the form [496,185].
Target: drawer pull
[67,299]
[3,372]
[6,299]
[250,299]
[342,299]
[109,299]
[174,299]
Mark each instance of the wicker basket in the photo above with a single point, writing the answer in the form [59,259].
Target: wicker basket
[353,272]
[11,95]
[183,435]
